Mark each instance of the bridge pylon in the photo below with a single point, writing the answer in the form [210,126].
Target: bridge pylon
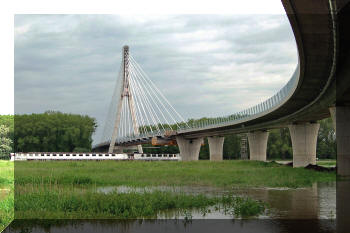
[125,93]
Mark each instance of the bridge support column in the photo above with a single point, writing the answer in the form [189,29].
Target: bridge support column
[341,121]
[257,145]
[216,145]
[189,148]
[304,142]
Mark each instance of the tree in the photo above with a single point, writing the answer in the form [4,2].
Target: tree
[232,147]
[279,145]
[326,140]
[81,150]
[5,140]
[53,132]
[204,151]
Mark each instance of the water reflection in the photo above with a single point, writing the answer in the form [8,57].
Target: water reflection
[208,190]
[315,202]
[178,226]
[343,205]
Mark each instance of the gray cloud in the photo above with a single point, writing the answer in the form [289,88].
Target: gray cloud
[206,65]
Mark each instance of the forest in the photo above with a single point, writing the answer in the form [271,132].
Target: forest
[51,131]
[6,135]
[61,132]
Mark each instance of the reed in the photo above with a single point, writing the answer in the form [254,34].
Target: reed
[62,202]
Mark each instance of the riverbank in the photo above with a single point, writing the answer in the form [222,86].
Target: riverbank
[6,193]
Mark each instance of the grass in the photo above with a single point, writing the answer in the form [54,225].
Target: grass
[198,173]
[60,202]
[6,194]
[327,162]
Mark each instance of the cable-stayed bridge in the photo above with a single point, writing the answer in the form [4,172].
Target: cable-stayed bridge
[138,108]
[139,113]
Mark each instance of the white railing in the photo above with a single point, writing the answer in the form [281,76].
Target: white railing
[90,156]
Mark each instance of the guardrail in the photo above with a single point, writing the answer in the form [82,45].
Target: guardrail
[90,156]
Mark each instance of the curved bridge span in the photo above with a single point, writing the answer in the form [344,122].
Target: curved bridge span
[319,86]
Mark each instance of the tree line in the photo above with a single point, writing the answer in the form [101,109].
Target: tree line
[51,131]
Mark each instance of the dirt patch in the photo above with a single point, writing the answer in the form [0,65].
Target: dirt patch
[4,193]
[313,167]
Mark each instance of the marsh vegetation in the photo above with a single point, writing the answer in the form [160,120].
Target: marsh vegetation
[62,202]
[6,193]
[69,189]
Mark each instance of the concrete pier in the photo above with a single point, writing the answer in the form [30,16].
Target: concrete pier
[257,145]
[304,142]
[341,120]
[216,145]
[333,116]
[189,148]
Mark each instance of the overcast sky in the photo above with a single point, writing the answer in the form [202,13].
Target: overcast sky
[206,65]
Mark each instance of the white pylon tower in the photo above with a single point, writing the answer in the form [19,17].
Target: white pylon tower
[125,93]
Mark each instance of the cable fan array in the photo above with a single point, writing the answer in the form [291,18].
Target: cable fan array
[153,112]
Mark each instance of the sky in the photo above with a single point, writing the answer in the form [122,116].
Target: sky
[205,65]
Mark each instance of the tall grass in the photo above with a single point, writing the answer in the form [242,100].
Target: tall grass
[40,202]
[6,194]
[199,173]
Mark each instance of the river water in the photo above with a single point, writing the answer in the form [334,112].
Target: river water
[315,202]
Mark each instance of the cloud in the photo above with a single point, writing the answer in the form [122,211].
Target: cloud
[206,65]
